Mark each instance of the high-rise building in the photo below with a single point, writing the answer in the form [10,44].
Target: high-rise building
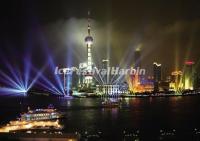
[75,80]
[188,75]
[157,75]
[105,65]
[197,77]
[137,58]
[70,80]
[82,69]
[176,81]
[136,79]
[89,41]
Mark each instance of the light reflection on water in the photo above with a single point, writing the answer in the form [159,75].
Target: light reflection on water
[84,114]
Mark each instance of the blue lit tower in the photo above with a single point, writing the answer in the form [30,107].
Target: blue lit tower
[89,42]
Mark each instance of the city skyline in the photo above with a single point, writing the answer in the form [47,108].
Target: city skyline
[100,70]
[117,32]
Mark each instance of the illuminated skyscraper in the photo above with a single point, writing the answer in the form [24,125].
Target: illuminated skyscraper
[138,58]
[105,65]
[82,68]
[137,78]
[176,81]
[157,75]
[89,42]
[188,75]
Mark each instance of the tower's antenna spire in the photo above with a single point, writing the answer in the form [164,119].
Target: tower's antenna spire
[88,22]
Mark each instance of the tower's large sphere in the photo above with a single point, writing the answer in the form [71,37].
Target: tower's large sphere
[89,39]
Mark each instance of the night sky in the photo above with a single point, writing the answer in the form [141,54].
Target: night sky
[167,31]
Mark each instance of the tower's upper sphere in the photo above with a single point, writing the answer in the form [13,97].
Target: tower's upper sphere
[89,40]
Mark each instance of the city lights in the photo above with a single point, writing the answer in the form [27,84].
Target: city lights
[99,70]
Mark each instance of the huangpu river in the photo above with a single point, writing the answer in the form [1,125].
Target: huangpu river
[146,116]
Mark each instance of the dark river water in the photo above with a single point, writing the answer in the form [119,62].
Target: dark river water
[147,116]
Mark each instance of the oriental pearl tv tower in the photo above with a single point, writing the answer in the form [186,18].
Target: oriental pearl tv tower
[89,42]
